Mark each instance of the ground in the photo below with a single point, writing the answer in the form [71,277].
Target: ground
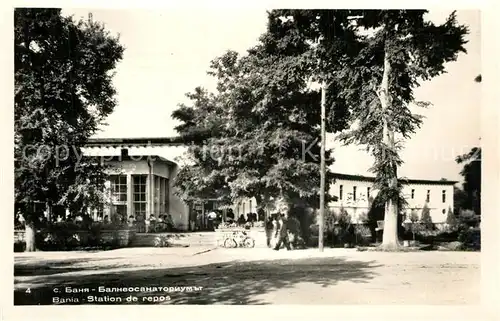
[250,276]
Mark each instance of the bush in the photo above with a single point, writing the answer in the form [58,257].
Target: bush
[363,234]
[19,246]
[425,218]
[468,218]
[343,219]
[71,236]
[451,220]
[294,232]
[470,238]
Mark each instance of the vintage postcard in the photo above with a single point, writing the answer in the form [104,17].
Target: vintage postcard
[247,156]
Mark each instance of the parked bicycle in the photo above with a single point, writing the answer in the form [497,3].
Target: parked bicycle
[239,239]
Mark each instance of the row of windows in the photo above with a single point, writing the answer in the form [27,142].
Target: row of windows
[368,189]
[139,197]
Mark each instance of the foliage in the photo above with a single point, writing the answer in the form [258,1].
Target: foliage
[371,76]
[471,173]
[261,123]
[363,234]
[414,216]
[470,238]
[460,201]
[425,218]
[363,218]
[295,232]
[62,236]
[343,219]
[330,219]
[451,219]
[468,218]
[63,92]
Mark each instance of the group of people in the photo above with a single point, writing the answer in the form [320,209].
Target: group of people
[211,219]
[277,228]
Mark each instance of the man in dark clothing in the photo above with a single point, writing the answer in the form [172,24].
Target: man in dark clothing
[282,233]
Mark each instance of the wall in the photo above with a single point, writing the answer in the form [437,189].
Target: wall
[177,208]
[130,166]
[435,204]
[355,208]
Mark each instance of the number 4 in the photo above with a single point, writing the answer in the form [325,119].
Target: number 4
[28,290]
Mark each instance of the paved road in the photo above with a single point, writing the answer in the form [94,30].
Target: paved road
[248,276]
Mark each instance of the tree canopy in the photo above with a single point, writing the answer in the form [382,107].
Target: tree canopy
[63,92]
[258,135]
[372,60]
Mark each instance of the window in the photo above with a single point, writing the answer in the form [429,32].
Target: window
[354,193]
[412,194]
[341,191]
[368,192]
[118,197]
[444,196]
[140,195]
[428,198]
[119,188]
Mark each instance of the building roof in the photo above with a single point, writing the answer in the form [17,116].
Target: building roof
[135,142]
[177,146]
[409,181]
[137,158]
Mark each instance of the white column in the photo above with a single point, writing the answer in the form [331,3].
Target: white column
[130,196]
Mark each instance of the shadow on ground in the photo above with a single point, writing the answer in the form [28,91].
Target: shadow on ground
[233,282]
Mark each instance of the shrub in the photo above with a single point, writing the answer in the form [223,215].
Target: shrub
[425,218]
[470,238]
[468,218]
[363,218]
[363,234]
[294,232]
[451,220]
[343,219]
[73,235]
[19,246]
[330,218]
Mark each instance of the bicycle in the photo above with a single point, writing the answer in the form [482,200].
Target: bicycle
[239,239]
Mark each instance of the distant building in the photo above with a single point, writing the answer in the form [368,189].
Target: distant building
[353,193]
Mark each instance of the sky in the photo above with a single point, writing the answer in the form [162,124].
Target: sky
[168,51]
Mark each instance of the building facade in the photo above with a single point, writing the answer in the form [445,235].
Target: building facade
[141,186]
[354,192]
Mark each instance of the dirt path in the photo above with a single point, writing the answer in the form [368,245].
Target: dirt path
[256,276]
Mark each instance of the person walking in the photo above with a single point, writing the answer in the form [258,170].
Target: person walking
[282,233]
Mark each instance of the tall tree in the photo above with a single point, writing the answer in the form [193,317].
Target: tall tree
[63,92]
[469,197]
[263,124]
[471,173]
[383,61]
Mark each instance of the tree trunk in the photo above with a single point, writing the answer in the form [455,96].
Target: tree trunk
[29,236]
[390,232]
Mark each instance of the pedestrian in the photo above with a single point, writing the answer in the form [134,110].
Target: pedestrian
[212,216]
[269,231]
[282,234]
[282,231]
